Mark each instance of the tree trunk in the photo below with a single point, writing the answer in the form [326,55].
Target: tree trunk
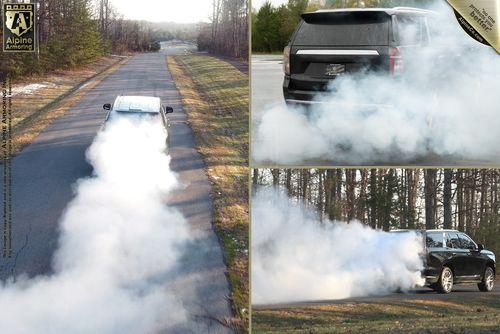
[373,198]
[350,175]
[430,198]
[276,176]
[447,222]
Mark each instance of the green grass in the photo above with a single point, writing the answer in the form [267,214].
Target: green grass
[459,315]
[216,96]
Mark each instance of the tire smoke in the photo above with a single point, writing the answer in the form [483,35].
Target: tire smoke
[446,103]
[295,257]
[118,245]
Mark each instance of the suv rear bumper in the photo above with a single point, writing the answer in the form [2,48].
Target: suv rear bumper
[431,275]
[309,98]
[364,108]
[295,94]
[431,279]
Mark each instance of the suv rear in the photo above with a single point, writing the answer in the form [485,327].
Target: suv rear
[452,257]
[331,43]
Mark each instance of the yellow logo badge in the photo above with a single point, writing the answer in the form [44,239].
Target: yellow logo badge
[19,21]
[19,27]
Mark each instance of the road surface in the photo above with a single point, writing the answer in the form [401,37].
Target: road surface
[267,83]
[45,172]
[267,91]
[459,292]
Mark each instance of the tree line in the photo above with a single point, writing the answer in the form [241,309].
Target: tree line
[227,33]
[272,26]
[462,199]
[73,33]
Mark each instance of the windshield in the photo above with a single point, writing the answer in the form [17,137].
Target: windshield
[137,104]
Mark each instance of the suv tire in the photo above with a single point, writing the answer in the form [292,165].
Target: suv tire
[488,281]
[445,282]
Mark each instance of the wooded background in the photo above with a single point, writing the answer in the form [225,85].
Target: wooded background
[76,32]
[272,26]
[227,34]
[462,199]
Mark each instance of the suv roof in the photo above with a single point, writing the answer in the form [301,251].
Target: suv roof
[380,12]
[146,104]
[389,11]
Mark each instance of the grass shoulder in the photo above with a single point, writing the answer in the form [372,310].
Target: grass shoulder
[215,96]
[457,315]
[39,100]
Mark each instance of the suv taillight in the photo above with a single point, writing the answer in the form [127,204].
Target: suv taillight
[286,60]
[395,61]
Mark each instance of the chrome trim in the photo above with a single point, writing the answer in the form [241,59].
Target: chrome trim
[339,52]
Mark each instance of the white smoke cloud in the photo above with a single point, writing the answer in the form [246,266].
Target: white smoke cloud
[118,244]
[447,104]
[295,257]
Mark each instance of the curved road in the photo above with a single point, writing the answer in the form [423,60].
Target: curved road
[44,174]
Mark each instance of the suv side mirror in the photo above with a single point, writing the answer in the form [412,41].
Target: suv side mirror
[107,106]
[169,110]
[480,247]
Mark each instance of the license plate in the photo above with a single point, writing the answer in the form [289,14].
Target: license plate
[334,69]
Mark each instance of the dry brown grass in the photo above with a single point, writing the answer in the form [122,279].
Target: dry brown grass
[215,97]
[461,315]
[31,113]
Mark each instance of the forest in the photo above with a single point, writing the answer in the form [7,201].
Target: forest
[462,199]
[227,33]
[272,26]
[74,33]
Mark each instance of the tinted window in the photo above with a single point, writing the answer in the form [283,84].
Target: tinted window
[452,240]
[466,242]
[410,30]
[434,240]
[345,29]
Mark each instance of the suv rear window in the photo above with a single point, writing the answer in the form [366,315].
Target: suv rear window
[345,29]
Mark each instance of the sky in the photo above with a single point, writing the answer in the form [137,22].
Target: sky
[258,3]
[183,11]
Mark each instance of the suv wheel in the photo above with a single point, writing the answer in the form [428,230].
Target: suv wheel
[488,280]
[445,283]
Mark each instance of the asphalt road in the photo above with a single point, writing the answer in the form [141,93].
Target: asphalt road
[267,91]
[459,292]
[267,84]
[45,172]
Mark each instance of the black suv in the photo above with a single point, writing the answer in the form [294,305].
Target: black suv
[331,43]
[452,257]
